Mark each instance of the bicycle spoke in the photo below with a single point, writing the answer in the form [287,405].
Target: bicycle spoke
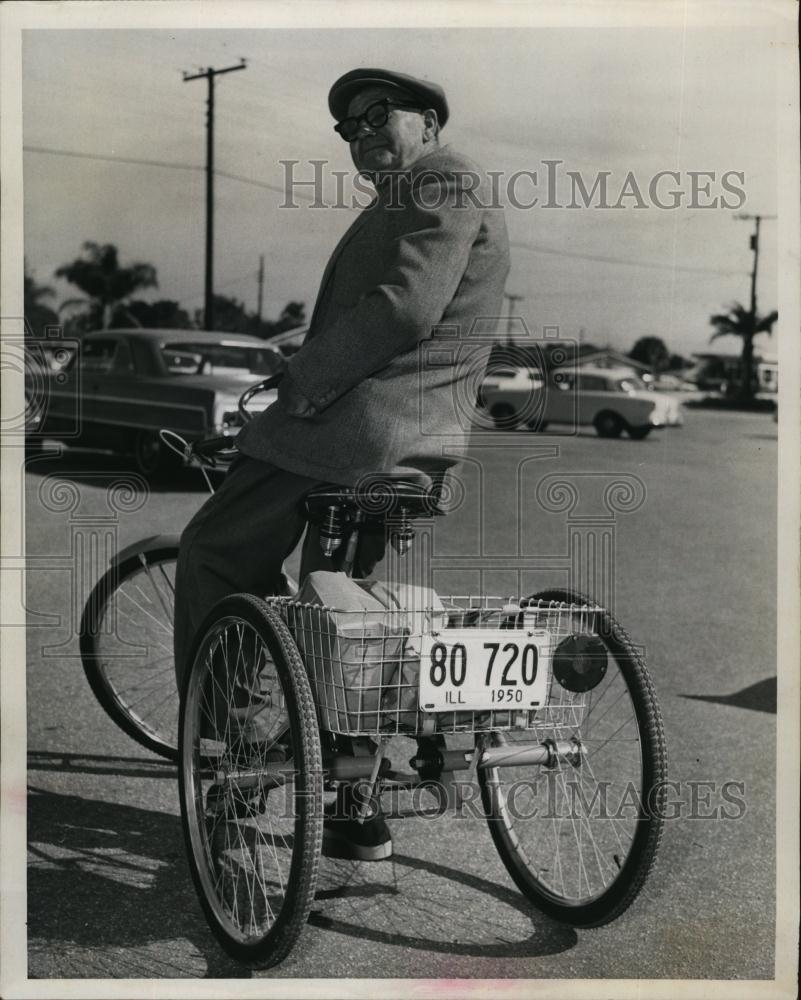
[570,852]
[246,829]
[129,647]
[166,628]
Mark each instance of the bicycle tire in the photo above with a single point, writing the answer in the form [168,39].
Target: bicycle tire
[126,636]
[253,715]
[540,865]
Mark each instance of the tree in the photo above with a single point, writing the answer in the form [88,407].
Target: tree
[651,351]
[38,315]
[677,362]
[740,322]
[106,285]
[229,316]
[292,315]
[165,314]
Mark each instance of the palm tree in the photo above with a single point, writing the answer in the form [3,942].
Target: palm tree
[106,285]
[740,322]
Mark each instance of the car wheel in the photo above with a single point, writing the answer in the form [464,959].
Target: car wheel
[640,433]
[608,425]
[505,416]
[151,457]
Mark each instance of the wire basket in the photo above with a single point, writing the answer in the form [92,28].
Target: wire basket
[364,666]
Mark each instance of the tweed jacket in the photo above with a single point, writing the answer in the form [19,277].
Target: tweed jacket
[400,334]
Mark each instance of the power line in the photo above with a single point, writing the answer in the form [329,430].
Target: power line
[255,183]
[163,163]
[113,159]
[532,247]
[602,259]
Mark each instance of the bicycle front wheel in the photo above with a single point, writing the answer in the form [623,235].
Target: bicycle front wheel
[579,837]
[250,775]
[126,636]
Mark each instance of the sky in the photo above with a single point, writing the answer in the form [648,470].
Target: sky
[612,99]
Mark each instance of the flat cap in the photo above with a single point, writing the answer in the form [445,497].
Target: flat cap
[430,95]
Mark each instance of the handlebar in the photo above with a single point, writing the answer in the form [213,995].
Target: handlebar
[248,394]
[209,447]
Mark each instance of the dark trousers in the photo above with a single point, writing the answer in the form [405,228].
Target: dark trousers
[237,543]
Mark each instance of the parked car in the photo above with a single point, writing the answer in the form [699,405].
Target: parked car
[609,399]
[119,388]
[41,359]
[506,379]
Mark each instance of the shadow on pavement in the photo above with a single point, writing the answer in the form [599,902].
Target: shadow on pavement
[88,763]
[760,697]
[110,895]
[103,877]
[428,912]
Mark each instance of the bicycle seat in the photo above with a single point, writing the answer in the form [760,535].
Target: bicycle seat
[380,496]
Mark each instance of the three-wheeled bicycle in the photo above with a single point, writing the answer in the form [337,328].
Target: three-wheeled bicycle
[288,698]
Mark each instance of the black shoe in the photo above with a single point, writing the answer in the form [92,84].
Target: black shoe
[232,802]
[345,837]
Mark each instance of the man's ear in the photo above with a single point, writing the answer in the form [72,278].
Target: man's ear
[431,123]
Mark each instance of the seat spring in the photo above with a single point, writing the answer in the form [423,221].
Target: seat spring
[331,530]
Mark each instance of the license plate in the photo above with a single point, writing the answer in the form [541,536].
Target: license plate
[479,669]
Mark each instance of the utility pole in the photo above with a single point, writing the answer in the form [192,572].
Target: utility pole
[749,348]
[209,74]
[261,285]
[755,247]
[511,299]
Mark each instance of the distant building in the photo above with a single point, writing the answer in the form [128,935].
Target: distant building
[713,370]
[768,375]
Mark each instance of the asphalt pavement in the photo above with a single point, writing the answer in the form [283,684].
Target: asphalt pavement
[685,550]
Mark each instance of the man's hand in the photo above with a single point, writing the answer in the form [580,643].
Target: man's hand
[291,399]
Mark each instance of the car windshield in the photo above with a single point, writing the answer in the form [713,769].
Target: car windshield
[234,361]
[97,354]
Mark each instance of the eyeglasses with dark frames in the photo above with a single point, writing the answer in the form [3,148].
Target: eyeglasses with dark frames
[375,116]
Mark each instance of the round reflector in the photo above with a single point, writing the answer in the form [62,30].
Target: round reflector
[579,662]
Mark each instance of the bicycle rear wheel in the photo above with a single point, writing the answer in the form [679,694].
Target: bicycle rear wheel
[126,636]
[250,777]
[580,837]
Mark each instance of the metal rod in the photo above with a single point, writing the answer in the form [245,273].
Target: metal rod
[364,807]
[342,767]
